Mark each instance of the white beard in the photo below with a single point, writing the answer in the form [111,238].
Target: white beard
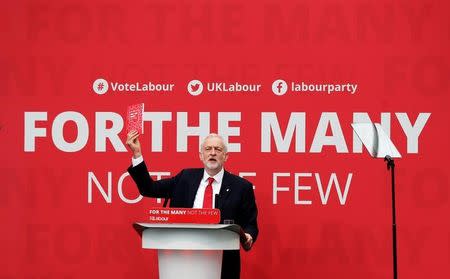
[212,165]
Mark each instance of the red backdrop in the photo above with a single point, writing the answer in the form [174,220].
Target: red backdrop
[395,51]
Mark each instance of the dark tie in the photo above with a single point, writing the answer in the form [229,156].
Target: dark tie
[207,198]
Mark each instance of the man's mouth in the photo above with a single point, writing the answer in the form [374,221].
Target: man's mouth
[212,159]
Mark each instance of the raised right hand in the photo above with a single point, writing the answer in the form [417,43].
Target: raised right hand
[134,144]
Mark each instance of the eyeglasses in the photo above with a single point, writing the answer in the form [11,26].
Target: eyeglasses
[218,149]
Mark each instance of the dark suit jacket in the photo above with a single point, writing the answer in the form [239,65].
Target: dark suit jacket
[236,202]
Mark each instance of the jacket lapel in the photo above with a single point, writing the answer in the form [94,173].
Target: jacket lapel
[193,187]
[225,189]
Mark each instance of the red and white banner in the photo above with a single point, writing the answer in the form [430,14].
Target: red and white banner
[183,215]
[282,81]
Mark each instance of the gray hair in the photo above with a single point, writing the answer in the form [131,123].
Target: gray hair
[213,135]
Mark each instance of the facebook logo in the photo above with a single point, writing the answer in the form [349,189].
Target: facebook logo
[279,87]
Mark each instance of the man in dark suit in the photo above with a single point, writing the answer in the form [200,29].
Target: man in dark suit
[206,187]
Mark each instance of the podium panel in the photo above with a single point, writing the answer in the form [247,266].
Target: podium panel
[189,250]
[198,264]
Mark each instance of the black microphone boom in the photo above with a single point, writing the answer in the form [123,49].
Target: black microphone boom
[165,202]
[391,166]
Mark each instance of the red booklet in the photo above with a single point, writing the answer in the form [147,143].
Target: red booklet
[184,215]
[135,120]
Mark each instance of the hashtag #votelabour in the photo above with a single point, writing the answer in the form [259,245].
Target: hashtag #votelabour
[142,87]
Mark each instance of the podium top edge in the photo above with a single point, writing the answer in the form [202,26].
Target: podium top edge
[230,227]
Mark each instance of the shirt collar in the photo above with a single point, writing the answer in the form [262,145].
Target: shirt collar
[218,177]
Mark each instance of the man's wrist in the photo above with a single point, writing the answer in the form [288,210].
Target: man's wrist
[136,161]
[137,155]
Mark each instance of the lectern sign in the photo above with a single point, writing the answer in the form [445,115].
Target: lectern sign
[184,215]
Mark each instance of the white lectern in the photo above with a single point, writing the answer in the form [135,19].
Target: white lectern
[189,250]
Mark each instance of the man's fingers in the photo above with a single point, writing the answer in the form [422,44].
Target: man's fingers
[132,137]
[132,133]
[248,245]
[248,242]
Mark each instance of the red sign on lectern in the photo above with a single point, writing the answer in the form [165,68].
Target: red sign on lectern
[184,215]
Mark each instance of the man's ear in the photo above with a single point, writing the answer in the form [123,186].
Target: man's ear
[226,157]
[200,156]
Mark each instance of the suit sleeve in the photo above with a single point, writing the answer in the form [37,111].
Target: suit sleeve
[150,188]
[249,213]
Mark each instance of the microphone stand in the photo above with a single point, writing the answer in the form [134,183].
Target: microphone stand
[391,167]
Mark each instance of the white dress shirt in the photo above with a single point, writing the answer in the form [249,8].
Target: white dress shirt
[137,161]
[198,201]
[217,183]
